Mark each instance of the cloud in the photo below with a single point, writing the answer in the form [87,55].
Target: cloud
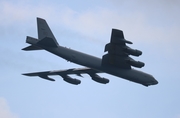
[167,5]
[94,22]
[148,22]
[21,12]
[5,111]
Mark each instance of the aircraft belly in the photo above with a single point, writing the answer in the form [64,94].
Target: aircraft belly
[128,74]
[95,63]
[76,57]
[137,76]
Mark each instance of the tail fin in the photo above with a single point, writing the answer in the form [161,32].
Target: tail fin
[45,37]
[44,30]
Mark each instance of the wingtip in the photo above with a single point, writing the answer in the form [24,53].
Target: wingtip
[28,74]
[25,74]
[23,49]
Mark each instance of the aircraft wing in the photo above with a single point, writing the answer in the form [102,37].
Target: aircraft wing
[77,71]
[64,74]
[118,52]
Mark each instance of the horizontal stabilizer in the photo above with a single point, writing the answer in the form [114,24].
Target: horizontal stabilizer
[31,47]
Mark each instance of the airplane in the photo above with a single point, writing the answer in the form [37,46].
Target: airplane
[116,60]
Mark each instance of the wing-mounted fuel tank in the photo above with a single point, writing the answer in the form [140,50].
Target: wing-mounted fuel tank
[70,80]
[131,51]
[134,63]
[99,79]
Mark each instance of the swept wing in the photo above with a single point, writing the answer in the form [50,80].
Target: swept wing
[64,74]
[77,71]
[118,52]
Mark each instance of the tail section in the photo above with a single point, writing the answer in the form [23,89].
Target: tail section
[31,47]
[45,37]
[32,41]
[44,31]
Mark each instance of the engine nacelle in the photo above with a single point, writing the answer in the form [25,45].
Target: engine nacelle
[71,80]
[133,52]
[137,64]
[46,77]
[99,79]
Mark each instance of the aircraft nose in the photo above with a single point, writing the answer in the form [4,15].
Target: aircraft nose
[154,81]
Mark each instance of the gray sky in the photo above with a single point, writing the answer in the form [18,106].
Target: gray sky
[152,25]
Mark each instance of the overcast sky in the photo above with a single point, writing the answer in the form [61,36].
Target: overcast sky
[152,25]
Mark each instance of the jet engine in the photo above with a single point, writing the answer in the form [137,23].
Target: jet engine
[99,79]
[133,52]
[46,77]
[137,64]
[71,80]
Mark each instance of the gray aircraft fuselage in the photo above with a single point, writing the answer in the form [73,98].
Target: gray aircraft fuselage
[95,63]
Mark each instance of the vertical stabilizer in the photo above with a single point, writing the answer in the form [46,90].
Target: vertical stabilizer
[45,37]
[44,32]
